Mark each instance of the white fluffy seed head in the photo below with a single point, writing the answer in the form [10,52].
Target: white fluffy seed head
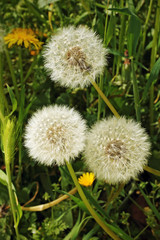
[74,56]
[55,134]
[117,150]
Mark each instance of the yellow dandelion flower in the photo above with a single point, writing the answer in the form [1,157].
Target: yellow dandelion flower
[21,36]
[86,179]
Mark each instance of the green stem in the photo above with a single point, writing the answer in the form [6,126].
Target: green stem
[136,93]
[59,13]
[12,73]
[19,159]
[153,59]
[11,196]
[105,99]
[20,64]
[99,98]
[101,78]
[121,37]
[142,43]
[31,68]
[106,23]
[146,24]
[21,116]
[152,170]
[143,230]
[90,209]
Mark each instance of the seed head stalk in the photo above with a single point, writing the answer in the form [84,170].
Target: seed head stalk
[152,170]
[113,110]
[90,209]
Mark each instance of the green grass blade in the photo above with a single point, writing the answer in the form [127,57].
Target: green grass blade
[152,78]
[13,100]
[154,209]
[133,34]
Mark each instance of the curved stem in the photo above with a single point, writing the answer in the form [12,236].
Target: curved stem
[152,170]
[89,207]
[48,205]
[105,99]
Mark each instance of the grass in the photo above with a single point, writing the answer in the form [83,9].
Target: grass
[129,86]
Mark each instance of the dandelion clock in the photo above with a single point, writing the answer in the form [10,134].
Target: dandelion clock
[74,56]
[55,134]
[117,150]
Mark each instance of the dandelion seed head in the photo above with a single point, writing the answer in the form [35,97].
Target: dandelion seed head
[117,149]
[55,134]
[74,56]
